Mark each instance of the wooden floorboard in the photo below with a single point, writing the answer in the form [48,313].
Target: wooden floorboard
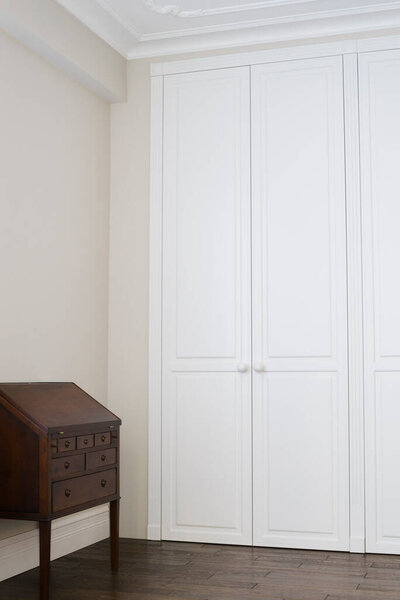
[185,571]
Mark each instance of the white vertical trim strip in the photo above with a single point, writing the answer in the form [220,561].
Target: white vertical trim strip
[387,42]
[355,306]
[155,316]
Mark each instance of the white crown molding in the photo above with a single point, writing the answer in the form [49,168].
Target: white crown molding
[115,15]
[128,40]
[177,11]
[368,24]
[316,16]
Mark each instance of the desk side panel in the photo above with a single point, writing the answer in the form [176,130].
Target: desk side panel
[19,466]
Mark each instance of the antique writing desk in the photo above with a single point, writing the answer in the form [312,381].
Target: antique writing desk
[59,454]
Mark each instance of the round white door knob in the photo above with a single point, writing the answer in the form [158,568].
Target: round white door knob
[259,367]
[242,368]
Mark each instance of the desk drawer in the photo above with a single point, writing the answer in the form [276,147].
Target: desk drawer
[102,439]
[67,466]
[84,441]
[94,460]
[66,444]
[73,492]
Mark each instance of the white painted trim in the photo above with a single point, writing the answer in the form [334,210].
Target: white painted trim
[271,34]
[357,545]
[155,316]
[254,58]
[124,36]
[276,55]
[21,552]
[322,23]
[355,306]
[54,57]
[177,11]
[387,42]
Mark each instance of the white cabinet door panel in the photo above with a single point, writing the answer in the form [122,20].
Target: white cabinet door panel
[301,495]
[380,186]
[206,400]
[205,423]
[297,414]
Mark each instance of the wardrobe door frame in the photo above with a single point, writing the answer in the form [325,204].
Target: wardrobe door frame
[349,50]
[297,372]
[354,305]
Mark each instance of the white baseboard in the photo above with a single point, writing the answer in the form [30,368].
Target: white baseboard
[21,552]
[154,532]
[357,544]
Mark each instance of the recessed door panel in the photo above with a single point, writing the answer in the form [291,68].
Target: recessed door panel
[205,422]
[298,413]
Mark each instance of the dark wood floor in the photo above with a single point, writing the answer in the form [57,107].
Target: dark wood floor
[172,570]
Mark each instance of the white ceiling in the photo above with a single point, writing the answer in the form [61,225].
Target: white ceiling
[137,28]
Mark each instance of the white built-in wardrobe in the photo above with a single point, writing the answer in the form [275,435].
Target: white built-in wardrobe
[275,299]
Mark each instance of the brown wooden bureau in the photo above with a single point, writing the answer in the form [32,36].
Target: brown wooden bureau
[59,454]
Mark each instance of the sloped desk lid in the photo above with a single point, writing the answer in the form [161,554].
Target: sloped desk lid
[56,405]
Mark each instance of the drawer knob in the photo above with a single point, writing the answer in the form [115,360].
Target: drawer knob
[103,483]
[86,442]
[103,457]
[103,438]
[67,444]
[67,465]
[68,493]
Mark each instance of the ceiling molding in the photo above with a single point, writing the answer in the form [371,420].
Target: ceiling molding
[177,11]
[153,28]
[106,6]
[265,35]
[316,16]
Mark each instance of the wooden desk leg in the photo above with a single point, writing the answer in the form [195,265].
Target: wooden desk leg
[45,541]
[114,534]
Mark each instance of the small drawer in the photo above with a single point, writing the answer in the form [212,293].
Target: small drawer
[66,444]
[102,439]
[84,441]
[67,466]
[73,492]
[94,460]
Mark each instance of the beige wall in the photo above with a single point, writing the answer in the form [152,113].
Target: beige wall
[54,206]
[129,225]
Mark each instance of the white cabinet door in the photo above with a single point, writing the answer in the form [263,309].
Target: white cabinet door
[301,472]
[206,398]
[380,187]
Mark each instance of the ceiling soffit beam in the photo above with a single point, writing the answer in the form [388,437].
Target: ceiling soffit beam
[52,33]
